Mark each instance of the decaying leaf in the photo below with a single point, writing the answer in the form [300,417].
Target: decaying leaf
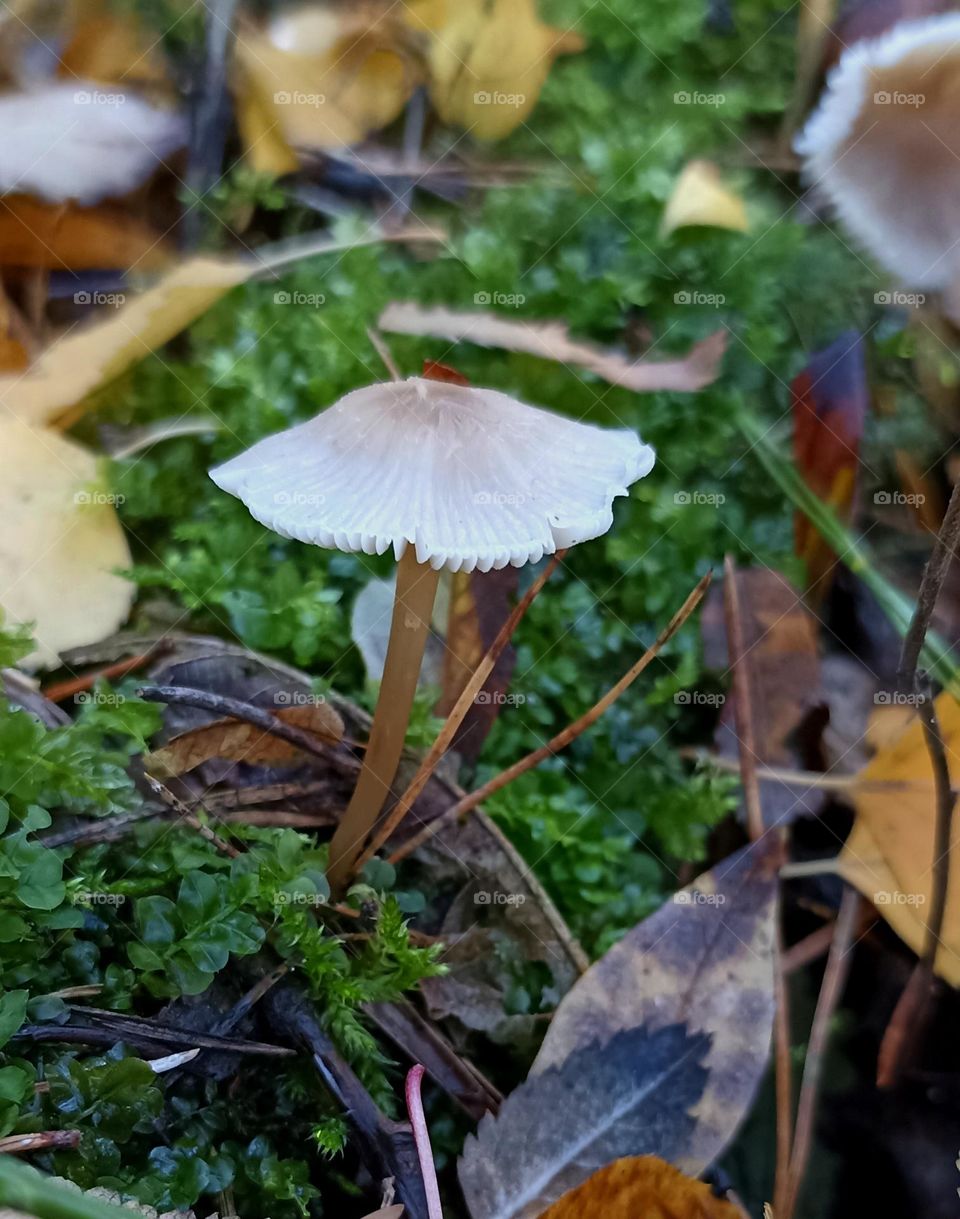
[700,198]
[61,542]
[70,140]
[705,959]
[62,236]
[630,1094]
[108,45]
[488,63]
[888,855]
[641,1187]
[782,667]
[552,341]
[85,359]
[242,742]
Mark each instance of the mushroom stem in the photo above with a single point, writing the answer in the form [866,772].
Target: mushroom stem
[412,608]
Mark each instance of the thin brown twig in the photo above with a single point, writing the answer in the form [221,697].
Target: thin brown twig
[746,740]
[931,584]
[457,714]
[562,739]
[62,690]
[42,1140]
[834,979]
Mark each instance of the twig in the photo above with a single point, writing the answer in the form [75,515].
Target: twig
[834,978]
[562,739]
[383,351]
[421,1138]
[60,691]
[747,750]
[931,584]
[235,708]
[189,818]
[457,714]
[43,1140]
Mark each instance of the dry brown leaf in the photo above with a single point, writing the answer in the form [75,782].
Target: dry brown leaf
[489,60]
[85,359]
[888,855]
[641,1186]
[61,542]
[110,46]
[63,236]
[700,198]
[552,341]
[242,742]
[704,959]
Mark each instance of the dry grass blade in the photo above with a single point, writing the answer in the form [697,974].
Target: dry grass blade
[562,739]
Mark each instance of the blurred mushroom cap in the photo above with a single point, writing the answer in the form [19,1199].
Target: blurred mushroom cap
[884,147]
[471,477]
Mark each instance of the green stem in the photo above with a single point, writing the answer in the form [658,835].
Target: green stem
[24,1189]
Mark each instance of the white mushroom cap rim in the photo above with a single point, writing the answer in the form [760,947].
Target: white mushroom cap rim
[472,478]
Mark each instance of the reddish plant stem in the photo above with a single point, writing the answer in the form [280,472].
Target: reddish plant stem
[421,1139]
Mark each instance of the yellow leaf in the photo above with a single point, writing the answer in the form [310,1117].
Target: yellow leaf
[111,47]
[64,236]
[61,542]
[322,77]
[699,197]
[243,742]
[89,357]
[889,854]
[489,60]
[641,1186]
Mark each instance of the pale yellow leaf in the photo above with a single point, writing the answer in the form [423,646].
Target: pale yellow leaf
[700,198]
[61,542]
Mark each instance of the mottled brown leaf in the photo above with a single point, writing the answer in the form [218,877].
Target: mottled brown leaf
[706,959]
[641,1186]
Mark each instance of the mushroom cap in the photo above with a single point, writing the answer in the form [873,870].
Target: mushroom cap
[471,477]
[884,147]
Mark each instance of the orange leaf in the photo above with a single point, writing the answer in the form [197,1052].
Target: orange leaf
[65,237]
[641,1185]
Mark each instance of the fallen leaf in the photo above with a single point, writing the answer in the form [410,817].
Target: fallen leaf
[63,236]
[112,47]
[87,358]
[629,1094]
[61,543]
[243,742]
[783,675]
[321,77]
[77,141]
[552,341]
[641,1186]
[488,63]
[700,198]
[705,959]
[889,853]
[830,400]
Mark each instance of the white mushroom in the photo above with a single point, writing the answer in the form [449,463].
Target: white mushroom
[884,147]
[447,477]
